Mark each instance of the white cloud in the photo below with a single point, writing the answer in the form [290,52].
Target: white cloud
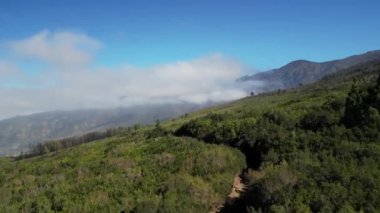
[61,48]
[10,74]
[8,69]
[182,80]
[209,78]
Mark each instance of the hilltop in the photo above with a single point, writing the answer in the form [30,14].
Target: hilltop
[304,72]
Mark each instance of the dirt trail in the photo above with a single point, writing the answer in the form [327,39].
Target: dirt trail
[237,188]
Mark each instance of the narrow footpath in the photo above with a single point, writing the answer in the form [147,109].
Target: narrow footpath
[238,188]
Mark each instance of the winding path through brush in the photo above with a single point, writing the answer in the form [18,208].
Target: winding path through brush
[237,188]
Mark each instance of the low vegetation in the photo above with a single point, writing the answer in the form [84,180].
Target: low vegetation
[311,149]
[324,159]
[122,174]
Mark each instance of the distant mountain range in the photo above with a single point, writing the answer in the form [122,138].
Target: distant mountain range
[19,133]
[304,72]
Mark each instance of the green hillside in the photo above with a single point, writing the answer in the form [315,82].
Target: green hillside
[123,173]
[311,149]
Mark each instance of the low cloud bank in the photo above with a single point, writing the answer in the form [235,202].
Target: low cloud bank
[56,70]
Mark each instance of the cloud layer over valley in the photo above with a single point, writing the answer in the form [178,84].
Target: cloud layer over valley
[59,71]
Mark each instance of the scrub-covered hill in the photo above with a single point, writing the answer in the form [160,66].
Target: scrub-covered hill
[125,173]
[315,148]
[311,149]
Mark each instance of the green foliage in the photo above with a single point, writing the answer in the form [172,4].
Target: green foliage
[314,149]
[355,110]
[213,128]
[324,159]
[57,145]
[156,132]
[323,117]
[165,174]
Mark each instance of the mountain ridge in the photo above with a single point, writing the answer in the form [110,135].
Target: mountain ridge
[304,71]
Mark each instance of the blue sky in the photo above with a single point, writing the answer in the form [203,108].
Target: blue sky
[261,34]
[62,55]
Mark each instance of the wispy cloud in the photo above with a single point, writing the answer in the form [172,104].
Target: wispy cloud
[71,80]
[60,48]
[8,70]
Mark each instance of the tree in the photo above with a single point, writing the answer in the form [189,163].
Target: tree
[158,124]
[317,120]
[354,108]
[374,95]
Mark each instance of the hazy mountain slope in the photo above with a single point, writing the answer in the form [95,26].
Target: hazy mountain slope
[303,72]
[18,133]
